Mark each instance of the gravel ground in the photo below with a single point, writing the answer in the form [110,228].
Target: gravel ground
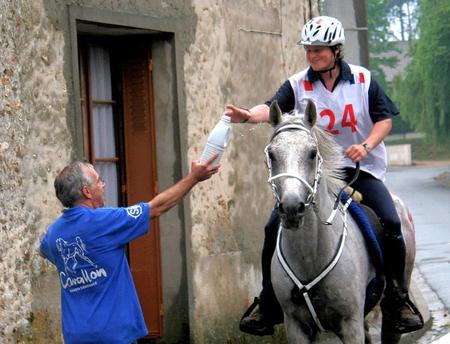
[443,179]
[439,333]
[439,315]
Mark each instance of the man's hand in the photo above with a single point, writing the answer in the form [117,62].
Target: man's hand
[202,171]
[170,197]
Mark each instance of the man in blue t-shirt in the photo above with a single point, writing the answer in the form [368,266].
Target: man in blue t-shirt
[87,245]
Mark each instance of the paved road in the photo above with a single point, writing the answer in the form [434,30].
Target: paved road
[429,203]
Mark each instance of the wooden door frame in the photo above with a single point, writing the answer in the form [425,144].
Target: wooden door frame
[167,32]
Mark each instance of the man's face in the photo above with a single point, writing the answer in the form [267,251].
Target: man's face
[96,191]
[319,57]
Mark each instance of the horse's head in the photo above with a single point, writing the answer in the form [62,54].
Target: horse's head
[294,163]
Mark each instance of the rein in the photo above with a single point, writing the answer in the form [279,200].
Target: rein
[309,201]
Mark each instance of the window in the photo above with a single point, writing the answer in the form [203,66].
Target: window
[99,117]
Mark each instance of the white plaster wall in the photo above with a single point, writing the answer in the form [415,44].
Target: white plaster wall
[399,155]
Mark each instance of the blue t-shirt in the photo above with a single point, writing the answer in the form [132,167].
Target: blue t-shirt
[98,298]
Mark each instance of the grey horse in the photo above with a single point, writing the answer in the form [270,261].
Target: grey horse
[321,267]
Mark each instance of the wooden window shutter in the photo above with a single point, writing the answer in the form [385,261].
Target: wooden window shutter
[141,178]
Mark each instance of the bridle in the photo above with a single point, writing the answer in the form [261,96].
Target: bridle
[303,288]
[310,200]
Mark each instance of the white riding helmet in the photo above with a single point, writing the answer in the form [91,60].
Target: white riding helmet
[323,30]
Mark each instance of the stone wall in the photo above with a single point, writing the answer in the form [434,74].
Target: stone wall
[233,51]
[34,145]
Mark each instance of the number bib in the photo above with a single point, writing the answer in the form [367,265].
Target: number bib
[344,113]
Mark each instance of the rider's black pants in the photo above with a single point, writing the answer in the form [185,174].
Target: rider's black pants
[376,196]
[268,301]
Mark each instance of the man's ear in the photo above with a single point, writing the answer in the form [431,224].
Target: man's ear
[86,192]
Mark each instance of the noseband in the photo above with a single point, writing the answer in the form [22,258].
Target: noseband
[318,173]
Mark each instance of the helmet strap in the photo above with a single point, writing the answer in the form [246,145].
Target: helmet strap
[333,48]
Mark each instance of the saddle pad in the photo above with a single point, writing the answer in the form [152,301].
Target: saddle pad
[369,234]
[375,287]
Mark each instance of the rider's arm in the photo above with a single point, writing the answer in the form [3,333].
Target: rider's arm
[379,131]
[260,113]
[170,197]
[380,105]
[381,110]
[285,97]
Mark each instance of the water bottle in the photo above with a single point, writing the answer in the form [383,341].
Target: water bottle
[217,140]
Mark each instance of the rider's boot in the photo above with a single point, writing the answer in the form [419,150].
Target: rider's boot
[265,312]
[398,310]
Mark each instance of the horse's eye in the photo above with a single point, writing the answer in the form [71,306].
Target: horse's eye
[313,154]
[271,155]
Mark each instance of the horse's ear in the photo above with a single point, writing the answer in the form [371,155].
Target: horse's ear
[310,113]
[275,114]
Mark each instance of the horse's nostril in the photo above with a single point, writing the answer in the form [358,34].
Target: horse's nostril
[301,208]
[291,208]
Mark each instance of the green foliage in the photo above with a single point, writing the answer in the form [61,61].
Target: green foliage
[379,40]
[400,126]
[423,95]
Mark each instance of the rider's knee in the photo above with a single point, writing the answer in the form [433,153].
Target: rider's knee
[392,227]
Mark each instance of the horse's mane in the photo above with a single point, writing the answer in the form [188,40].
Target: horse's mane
[332,154]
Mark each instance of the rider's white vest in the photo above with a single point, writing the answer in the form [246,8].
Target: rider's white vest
[344,113]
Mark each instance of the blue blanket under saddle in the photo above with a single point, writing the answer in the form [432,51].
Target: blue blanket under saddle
[376,286]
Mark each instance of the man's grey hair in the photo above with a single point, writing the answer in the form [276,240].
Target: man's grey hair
[70,181]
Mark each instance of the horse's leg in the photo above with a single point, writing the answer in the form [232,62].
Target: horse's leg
[294,332]
[352,332]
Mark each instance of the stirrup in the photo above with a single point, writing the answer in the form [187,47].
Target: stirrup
[251,308]
[406,329]
[265,330]
[415,311]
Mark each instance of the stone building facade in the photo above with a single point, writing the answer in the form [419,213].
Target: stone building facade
[204,54]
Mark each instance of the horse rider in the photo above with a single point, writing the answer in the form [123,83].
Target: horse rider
[357,112]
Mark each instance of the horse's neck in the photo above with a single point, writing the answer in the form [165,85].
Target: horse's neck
[314,244]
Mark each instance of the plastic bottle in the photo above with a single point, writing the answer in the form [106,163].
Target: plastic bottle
[217,140]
